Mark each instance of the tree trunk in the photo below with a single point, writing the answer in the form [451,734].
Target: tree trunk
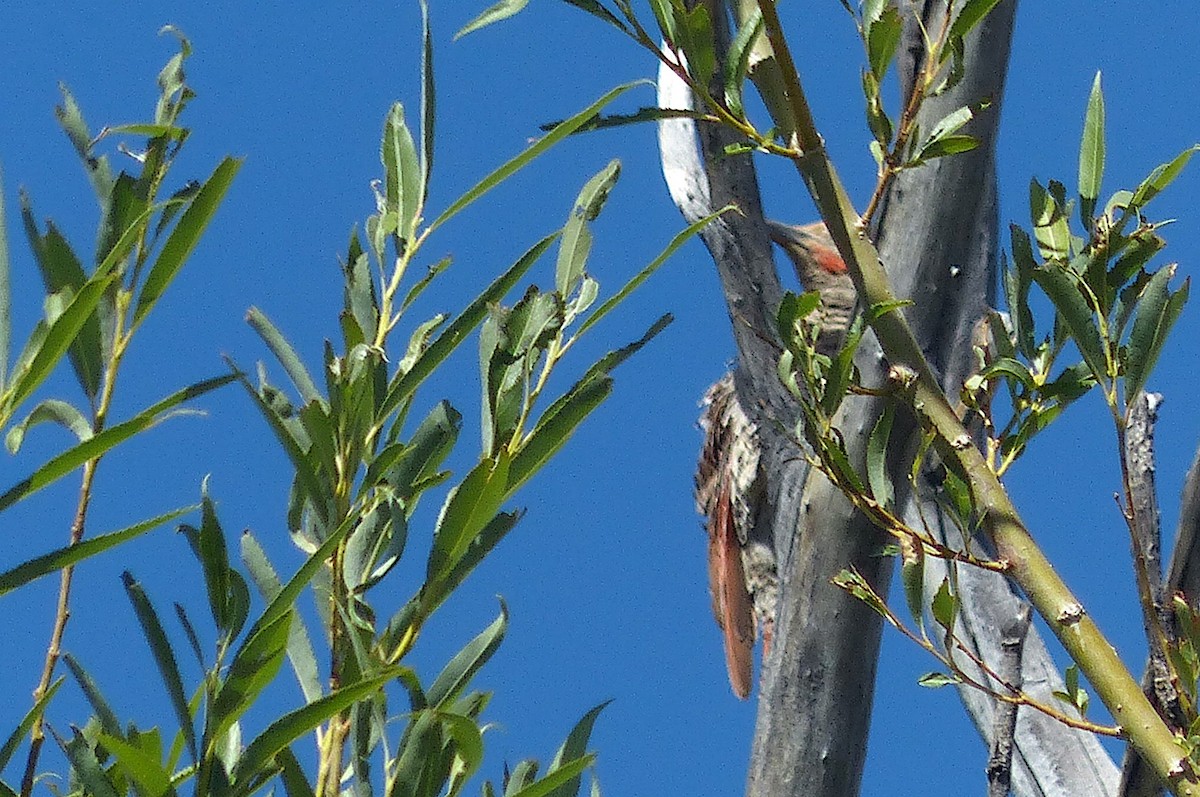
[938,237]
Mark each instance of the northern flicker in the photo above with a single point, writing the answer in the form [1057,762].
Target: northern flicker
[742,574]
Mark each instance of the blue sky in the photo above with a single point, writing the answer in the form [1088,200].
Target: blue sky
[604,577]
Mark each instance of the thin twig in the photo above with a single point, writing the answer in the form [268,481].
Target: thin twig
[1004,725]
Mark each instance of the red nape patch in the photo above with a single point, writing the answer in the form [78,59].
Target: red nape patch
[829,260]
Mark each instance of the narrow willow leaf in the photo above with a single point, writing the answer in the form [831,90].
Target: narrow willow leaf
[67,556]
[1091,154]
[1077,315]
[402,172]
[295,781]
[576,242]
[467,737]
[1156,314]
[284,601]
[284,352]
[567,775]
[98,445]
[459,671]
[255,665]
[1016,288]
[70,118]
[428,102]
[60,334]
[164,658]
[104,714]
[1049,223]
[912,575]
[935,680]
[27,722]
[737,61]
[970,15]
[883,37]
[298,452]
[696,32]
[501,10]
[432,595]
[555,427]
[454,334]
[595,9]
[641,115]
[1162,176]
[945,146]
[944,607]
[291,726]
[546,142]
[406,465]
[418,754]
[185,236]
[468,508]
[86,767]
[299,649]
[49,411]
[679,240]
[573,749]
[877,465]
[142,768]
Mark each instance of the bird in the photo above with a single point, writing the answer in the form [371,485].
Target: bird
[729,483]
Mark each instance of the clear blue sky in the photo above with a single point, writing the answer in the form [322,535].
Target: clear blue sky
[605,575]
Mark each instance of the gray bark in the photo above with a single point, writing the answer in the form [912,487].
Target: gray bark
[938,238]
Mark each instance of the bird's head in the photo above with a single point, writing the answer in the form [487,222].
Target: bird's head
[811,249]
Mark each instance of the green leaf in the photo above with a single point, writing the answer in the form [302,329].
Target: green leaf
[501,10]
[573,749]
[883,37]
[1157,312]
[142,768]
[679,240]
[299,647]
[696,33]
[428,102]
[295,781]
[98,445]
[402,172]
[576,241]
[1091,154]
[432,595]
[970,15]
[286,355]
[877,465]
[737,61]
[565,776]
[255,665]
[1050,224]
[595,9]
[945,606]
[418,757]
[69,555]
[912,575]
[1017,281]
[1162,176]
[63,274]
[459,671]
[164,657]
[30,719]
[1073,308]
[70,118]
[259,754]
[102,711]
[934,680]
[185,236]
[468,508]
[406,383]
[60,335]
[546,142]
[49,411]
[86,767]
[947,145]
